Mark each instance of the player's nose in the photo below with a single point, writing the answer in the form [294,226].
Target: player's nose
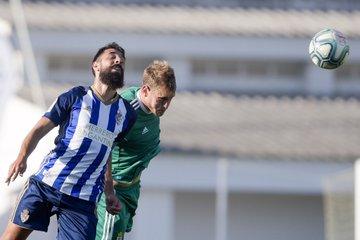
[118,60]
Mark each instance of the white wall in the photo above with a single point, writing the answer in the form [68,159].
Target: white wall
[251,217]
[195,216]
[195,173]
[156,219]
[9,77]
[275,217]
[19,117]
[269,200]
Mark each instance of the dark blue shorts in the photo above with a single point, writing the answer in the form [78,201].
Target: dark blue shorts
[37,202]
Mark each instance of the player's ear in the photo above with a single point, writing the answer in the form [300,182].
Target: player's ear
[96,66]
[145,89]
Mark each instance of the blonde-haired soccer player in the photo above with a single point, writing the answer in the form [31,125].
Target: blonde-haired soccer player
[133,154]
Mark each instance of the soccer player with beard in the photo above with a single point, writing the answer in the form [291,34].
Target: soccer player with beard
[132,154]
[74,174]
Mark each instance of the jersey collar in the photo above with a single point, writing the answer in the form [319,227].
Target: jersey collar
[142,106]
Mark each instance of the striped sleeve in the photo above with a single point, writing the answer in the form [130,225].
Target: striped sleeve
[135,104]
[61,108]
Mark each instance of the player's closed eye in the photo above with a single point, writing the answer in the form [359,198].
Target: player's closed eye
[162,100]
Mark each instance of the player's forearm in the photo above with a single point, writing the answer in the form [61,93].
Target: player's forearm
[109,186]
[18,167]
[29,144]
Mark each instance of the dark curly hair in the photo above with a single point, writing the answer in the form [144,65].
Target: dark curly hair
[112,45]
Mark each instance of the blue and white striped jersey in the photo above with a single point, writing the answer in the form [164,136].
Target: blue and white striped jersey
[87,131]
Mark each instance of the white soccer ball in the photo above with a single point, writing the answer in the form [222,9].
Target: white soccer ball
[328,49]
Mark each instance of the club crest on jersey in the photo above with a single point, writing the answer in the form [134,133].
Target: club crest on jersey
[118,117]
[25,214]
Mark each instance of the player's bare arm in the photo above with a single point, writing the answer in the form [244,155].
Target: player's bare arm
[18,167]
[112,202]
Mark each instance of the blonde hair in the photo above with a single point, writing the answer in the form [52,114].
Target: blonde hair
[160,73]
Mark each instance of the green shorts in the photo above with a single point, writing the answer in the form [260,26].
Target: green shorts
[114,226]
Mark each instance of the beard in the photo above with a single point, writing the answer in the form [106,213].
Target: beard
[113,80]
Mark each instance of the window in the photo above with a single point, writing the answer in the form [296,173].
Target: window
[137,65]
[247,70]
[69,62]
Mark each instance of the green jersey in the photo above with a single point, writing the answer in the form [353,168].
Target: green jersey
[132,154]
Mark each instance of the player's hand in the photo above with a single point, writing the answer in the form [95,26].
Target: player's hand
[113,205]
[16,168]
